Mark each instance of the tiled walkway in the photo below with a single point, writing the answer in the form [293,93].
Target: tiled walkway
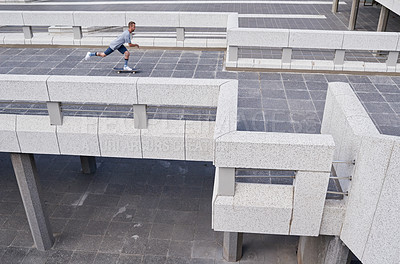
[273,102]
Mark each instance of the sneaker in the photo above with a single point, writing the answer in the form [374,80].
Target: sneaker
[127,68]
[87,55]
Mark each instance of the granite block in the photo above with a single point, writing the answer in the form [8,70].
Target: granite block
[23,87]
[8,135]
[199,140]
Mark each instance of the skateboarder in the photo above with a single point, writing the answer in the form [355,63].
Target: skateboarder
[118,44]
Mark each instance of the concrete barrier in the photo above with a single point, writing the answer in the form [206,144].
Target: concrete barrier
[79,19]
[369,226]
[337,41]
[111,137]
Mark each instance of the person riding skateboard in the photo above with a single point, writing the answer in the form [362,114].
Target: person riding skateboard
[118,44]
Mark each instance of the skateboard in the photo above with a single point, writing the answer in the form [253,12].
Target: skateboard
[121,70]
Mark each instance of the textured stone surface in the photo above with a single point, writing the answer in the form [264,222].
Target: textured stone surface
[8,136]
[109,18]
[106,90]
[308,202]
[164,91]
[357,40]
[36,135]
[333,217]
[78,136]
[164,139]
[199,140]
[45,18]
[153,19]
[267,207]
[318,39]
[11,18]
[382,245]
[258,37]
[279,151]
[119,138]
[371,166]
[23,87]
[226,118]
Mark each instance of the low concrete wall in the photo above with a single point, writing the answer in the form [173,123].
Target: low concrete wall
[370,226]
[179,20]
[338,41]
[111,137]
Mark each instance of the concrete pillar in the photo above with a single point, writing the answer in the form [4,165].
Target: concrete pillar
[88,164]
[28,34]
[335,6]
[225,179]
[286,58]
[29,187]
[383,19]
[77,32]
[140,116]
[322,250]
[233,53]
[353,14]
[232,246]
[180,34]
[55,113]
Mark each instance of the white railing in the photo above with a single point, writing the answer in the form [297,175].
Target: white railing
[370,224]
[137,137]
[337,41]
[79,19]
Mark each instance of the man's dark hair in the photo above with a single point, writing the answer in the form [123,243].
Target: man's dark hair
[131,23]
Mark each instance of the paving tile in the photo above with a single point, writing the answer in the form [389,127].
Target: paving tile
[305,105]
[82,258]
[6,237]
[294,85]
[204,249]
[161,231]
[129,259]
[106,258]
[13,255]
[182,73]
[59,257]
[371,97]
[157,247]
[35,256]
[111,244]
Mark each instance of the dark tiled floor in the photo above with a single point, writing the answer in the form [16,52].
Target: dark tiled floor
[130,211]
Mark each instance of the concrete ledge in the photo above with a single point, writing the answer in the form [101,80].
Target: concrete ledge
[119,138]
[36,135]
[23,87]
[154,19]
[164,139]
[280,151]
[89,18]
[226,119]
[199,140]
[274,38]
[255,208]
[8,136]
[185,92]
[46,18]
[315,39]
[78,136]
[333,217]
[359,40]
[93,89]
[11,18]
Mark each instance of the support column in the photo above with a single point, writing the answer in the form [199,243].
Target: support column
[232,246]
[28,34]
[29,187]
[88,164]
[322,250]
[383,19]
[140,116]
[353,14]
[180,34]
[77,32]
[335,6]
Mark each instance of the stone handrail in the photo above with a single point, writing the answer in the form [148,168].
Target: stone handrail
[79,19]
[137,137]
[289,39]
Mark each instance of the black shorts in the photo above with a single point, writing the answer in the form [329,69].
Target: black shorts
[121,49]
